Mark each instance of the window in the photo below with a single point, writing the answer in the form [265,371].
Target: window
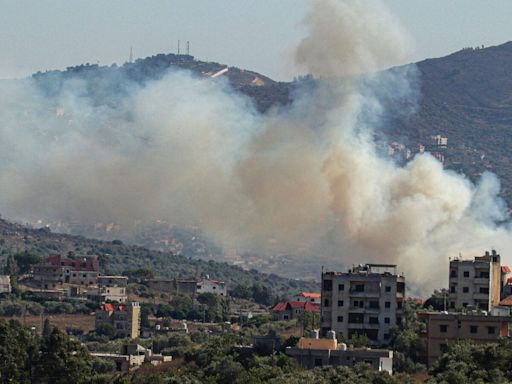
[341,287]
[318,362]
[374,304]
[358,303]
[386,336]
[373,320]
[386,320]
[464,305]
[387,304]
[326,302]
[359,288]
[443,328]
[473,328]
[399,305]
[484,275]
[340,303]
[484,290]
[443,348]
[466,273]
[491,330]
[398,320]
[453,273]
[452,289]
[356,318]
[465,289]
[340,319]
[327,285]
[452,304]
[388,288]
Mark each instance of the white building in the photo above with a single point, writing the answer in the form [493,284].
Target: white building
[367,300]
[475,282]
[212,286]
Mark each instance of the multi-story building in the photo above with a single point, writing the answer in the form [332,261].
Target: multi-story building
[212,286]
[475,282]
[124,318]
[366,300]
[56,271]
[110,288]
[443,328]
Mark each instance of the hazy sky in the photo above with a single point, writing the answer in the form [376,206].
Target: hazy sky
[259,35]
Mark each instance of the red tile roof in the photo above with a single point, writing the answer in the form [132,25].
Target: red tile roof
[304,305]
[112,307]
[505,269]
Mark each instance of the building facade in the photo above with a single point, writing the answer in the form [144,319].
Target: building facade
[475,282]
[124,318]
[55,271]
[5,284]
[110,288]
[444,328]
[178,286]
[212,286]
[366,300]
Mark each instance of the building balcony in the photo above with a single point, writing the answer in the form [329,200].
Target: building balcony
[480,296]
[363,326]
[481,281]
[367,294]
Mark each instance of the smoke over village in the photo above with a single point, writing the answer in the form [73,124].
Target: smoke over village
[191,151]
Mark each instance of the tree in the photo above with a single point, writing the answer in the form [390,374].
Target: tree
[62,361]
[25,261]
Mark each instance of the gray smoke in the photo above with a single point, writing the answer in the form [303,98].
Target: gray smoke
[306,179]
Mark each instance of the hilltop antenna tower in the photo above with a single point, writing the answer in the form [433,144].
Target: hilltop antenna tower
[178,47]
[188,48]
[130,59]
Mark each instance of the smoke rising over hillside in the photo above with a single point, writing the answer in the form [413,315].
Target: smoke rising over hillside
[191,151]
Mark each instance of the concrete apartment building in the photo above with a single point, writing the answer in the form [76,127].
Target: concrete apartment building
[124,318]
[475,282]
[110,288]
[444,328]
[55,271]
[314,352]
[368,299]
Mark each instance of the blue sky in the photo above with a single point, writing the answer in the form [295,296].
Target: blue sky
[259,35]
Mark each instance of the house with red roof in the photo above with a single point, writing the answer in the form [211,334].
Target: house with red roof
[312,297]
[292,309]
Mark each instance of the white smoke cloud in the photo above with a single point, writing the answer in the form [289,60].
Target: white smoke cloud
[191,151]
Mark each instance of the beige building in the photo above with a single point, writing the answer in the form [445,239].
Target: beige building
[445,328]
[124,318]
[475,282]
[314,352]
[5,284]
[110,288]
[368,299]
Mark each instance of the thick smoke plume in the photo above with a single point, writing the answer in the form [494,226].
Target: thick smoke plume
[302,179]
